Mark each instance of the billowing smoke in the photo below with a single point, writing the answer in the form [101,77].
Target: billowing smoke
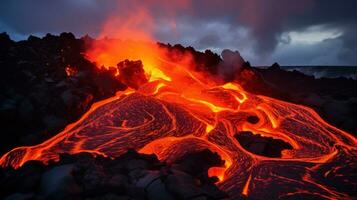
[188,21]
[232,63]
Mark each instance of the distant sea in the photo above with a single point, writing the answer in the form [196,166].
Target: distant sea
[325,71]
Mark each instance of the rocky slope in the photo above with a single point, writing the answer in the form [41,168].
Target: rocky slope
[130,176]
[48,83]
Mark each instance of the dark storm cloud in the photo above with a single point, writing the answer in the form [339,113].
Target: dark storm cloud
[42,16]
[268,20]
[348,51]
[334,14]
[259,29]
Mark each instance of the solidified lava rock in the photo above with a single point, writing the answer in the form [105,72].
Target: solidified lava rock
[205,61]
[132,73]
[129,176]
[196,163]
[264,146]
[46,83]
[253,119]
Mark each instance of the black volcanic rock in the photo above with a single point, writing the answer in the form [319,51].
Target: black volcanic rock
[132,175]
[132,73]
[5,42]
[264,146]
[204,61]
[38,98]
[195,163]
[274,66]
[253,119]
[253,81]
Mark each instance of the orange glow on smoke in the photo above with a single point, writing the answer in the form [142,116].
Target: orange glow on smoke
[107,53]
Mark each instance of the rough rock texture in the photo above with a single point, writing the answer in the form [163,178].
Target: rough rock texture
[205,61]
[260,145]
[130,176]
[45,85]
[132,73]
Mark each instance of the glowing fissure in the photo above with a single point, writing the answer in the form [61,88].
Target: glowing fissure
[180,111]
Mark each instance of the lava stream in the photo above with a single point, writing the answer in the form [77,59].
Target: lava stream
[179,111]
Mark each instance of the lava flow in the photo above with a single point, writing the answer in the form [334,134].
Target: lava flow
[177,110]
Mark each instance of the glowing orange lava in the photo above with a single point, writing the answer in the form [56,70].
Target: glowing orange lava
[180,111]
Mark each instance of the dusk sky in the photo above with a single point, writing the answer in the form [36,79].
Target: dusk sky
[290,32]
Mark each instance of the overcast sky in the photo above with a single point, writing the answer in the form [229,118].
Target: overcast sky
[290,32]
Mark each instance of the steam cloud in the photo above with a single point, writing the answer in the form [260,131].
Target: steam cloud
[232,63]
[254,27]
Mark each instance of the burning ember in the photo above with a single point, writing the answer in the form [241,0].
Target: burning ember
[170,110]
[70,71]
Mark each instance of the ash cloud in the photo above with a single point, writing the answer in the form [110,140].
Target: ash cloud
[254,27]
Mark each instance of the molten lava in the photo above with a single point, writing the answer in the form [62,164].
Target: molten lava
[180,110]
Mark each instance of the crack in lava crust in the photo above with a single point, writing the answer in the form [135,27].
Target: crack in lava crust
[159,119]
